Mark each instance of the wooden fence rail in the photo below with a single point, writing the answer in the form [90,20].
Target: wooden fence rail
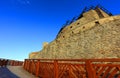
[76,68]
[5,62]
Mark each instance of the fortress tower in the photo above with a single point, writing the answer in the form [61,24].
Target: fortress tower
[88,14]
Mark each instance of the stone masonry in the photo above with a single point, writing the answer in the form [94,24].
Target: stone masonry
[91,36]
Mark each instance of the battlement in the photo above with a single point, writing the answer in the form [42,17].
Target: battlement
[86,9]
[87,15]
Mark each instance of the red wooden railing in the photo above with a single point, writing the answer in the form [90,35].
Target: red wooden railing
[77,68]
[15,63]
[5,62]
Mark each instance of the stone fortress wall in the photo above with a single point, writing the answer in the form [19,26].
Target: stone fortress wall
[94,35]
[78,25]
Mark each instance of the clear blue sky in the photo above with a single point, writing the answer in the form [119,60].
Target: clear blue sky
[26,24]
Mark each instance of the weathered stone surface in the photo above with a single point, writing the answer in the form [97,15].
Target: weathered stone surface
[45,44]
[33,54]
[98,38]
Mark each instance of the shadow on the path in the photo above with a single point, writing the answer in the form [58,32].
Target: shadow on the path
[6,73]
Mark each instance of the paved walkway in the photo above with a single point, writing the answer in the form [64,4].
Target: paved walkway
[20,72]
[14,72]
[5,73]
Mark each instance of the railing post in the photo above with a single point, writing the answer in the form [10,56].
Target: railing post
[0,62]
[30,66]
[55,69]
[37,68]
[29,63]
[25,62]
[70,71]
[90,70]
[11,62]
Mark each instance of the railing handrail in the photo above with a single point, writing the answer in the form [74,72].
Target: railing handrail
[79,68]
[5,62]
[82,60]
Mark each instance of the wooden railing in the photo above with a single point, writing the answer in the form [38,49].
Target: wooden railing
[77,68]
[5,62]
